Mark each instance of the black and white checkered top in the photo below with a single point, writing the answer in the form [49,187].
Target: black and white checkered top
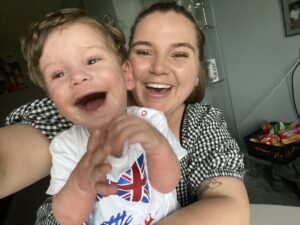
[203,133]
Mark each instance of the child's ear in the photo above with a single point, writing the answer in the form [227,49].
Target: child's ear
[128,75]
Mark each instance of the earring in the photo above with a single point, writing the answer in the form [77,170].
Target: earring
[197,82]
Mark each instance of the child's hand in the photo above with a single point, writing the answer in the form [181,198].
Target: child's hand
[90,173]
[87,179]
[136,130]
[161,159]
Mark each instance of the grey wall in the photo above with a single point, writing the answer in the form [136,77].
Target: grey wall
[100,7]
[258,58]
[126,12]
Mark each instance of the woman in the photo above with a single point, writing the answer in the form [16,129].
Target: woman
[166,59]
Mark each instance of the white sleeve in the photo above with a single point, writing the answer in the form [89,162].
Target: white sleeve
[159,121]
[66,150]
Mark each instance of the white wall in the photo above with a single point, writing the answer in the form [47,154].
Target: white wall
[258,57]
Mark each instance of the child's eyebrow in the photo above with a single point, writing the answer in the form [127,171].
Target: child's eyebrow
[147,43]
[175,45]
[94,46]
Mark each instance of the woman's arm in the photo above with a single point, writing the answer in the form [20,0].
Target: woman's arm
[222,201]
[24,157]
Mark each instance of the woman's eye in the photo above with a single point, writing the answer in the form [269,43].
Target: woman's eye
[143,52]
[180,55]
[93,61]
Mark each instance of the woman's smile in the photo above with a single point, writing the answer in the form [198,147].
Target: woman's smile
[158,89]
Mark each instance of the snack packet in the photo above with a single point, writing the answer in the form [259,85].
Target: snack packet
[291,135]
[278,134]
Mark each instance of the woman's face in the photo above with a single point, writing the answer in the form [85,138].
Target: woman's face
[165,61]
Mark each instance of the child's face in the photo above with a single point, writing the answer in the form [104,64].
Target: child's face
[83,76]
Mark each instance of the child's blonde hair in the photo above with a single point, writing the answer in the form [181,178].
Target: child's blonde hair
[33,43]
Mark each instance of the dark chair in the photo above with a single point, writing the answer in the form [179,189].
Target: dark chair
[21,207]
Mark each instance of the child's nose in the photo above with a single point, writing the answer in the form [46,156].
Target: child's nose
[78,79]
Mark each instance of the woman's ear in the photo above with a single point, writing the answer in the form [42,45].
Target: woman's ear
[128,75]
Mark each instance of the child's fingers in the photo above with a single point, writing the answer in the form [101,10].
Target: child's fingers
[99,156]
[106,189]
[124,121]
[96,140]
[89,172]
[97,148]
[99,172]
[125,127]
[135,130]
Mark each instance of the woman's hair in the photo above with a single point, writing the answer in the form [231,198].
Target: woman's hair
[33,42]
[164,7]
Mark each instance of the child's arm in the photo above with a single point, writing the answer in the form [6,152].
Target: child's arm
[74,202]
[163,165]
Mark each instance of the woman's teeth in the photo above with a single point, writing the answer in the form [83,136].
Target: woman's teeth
[158,86]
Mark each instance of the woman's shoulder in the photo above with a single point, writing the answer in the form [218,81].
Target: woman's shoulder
[41,114]
[200,120]
[201,113]
[37,107]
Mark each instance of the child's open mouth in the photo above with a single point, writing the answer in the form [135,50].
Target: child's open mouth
[92,101]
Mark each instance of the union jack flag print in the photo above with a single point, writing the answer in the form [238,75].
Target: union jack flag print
[133,184]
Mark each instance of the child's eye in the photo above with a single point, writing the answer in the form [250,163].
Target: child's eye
[143,52]
[180,55]
[93,61]
[58,75]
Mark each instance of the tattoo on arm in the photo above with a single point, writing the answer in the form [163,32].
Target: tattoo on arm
[210,183]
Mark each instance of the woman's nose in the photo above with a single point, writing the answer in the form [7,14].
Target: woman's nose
[159,65]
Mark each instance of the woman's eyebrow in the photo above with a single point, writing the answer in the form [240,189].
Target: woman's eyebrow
[184,44]
[174,45]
